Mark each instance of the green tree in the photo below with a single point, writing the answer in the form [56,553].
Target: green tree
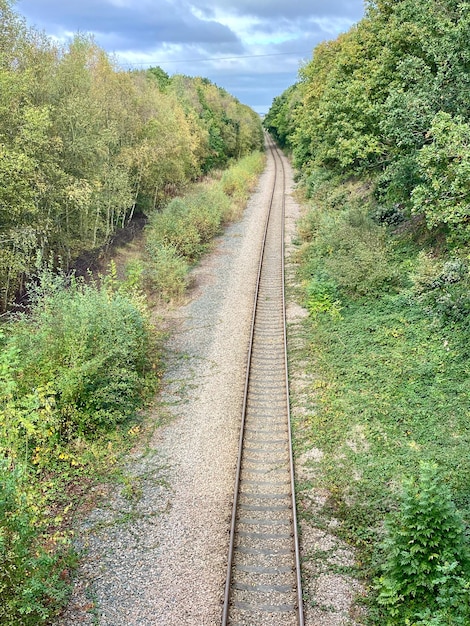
[443,196]
[368,104]
[83,145]
[160,76]
[280,119]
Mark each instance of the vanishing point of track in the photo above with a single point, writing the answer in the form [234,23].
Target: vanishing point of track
[263,575]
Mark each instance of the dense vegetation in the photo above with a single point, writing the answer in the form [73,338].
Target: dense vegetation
[378,126]
[390,99]
[177,236]
[84,146]
[73,372]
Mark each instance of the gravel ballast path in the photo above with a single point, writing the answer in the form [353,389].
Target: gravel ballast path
[156,550]
[165,563]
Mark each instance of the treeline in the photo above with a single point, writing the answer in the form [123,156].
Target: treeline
[389,100]
[84,145]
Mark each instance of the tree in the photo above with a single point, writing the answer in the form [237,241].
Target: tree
[369,102]
[83,145]
[443,196]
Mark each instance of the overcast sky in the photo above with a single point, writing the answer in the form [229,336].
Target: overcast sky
[252,48]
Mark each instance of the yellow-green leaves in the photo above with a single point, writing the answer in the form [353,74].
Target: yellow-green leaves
[85,146]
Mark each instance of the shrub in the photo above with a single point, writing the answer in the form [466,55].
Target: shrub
[233,183]
[88,349]
[317,180]
[321,299]
[31,584]
[167,271]
[206,212]
[181,233]
[364,270]
[352,252]
[237,182]
[444,161]
[443,288]
[172,227]
[394,187]
[134,276]
[389,215]
[426,574]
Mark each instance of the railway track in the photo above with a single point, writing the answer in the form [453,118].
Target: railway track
[263,575]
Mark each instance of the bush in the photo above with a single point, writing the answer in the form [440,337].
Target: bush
[188,224]
[87,349]
[182,232]
[390,215]
[350,250]
[207,211]
[167,271]
[321,299]
[444,193]
[426,574]
[237,182]
[443,288]
[31,584]
[173,227]
[365,269]
[394,187]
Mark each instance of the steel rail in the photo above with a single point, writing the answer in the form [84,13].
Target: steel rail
[233,523]
[289,430]
[235,508]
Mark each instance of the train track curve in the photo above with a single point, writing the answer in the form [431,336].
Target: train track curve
[263,584]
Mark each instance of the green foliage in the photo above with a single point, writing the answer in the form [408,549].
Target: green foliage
[386,105]
[230,129]
[279,121]
[394,187]
[84,145]
[167,272]
[390,392]
[320,299]
[444,193]
[71,370]
[426,573]
[188,224]
[237,184]
[178,235]
[160,76]
[31,583]
[173,227]
[389,100]
[348,248]
[443,288]
[84,351]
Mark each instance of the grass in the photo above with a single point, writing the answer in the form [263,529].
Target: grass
[390,366]
[393,393]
